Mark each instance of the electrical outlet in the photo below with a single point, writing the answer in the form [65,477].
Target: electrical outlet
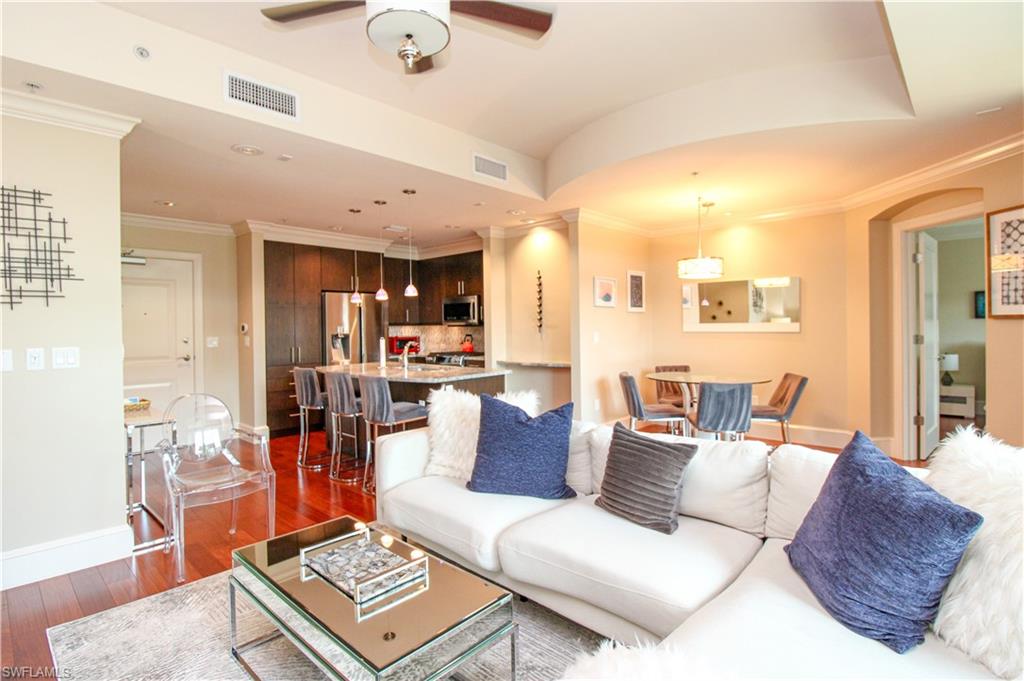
[35,359]
[213,341]
[6,360]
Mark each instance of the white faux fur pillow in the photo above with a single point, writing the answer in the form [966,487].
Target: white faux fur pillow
[454,420]
[639,663]
[981,612]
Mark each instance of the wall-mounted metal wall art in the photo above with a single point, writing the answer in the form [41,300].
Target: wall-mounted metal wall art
[34,247]
[540,302]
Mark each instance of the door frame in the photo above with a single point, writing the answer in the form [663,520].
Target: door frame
[903,301]
[199,339]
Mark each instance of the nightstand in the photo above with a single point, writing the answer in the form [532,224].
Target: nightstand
[956,400]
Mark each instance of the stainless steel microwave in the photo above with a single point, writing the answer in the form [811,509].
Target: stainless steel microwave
[461,311]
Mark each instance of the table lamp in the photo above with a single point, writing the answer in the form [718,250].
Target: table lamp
[949,362]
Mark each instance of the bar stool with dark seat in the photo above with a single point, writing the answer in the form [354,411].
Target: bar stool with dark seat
[379,410]
[780,407]
[655,413]
[309,398]
[723,409]
[342,403]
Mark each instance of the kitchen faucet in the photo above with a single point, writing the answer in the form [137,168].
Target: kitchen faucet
[405,356]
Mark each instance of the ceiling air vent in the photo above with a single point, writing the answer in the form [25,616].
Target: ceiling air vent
[260,95]
[489,167]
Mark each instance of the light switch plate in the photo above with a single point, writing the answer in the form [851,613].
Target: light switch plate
[213,341]
[6,360]
[35,359]
[65,358]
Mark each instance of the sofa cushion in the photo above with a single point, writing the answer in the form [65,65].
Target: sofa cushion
[879,546]
[797,474]
[651,579]
[577,472]
[442,511]
[725,482]
[769,625]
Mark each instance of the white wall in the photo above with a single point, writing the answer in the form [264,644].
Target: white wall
[62,444]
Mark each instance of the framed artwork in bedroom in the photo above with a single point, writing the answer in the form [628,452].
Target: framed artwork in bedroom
[1004,262]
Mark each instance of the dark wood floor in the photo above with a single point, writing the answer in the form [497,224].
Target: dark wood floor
[304,498]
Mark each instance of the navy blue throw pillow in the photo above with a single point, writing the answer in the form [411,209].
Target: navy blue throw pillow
[516,454]
[879,546]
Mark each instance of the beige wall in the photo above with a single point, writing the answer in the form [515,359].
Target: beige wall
[220,301]
[810,248]
[608,340]
[547,250]
[961,273]
[252,352]
[63,441]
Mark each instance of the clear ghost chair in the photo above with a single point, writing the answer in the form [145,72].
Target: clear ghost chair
[207,461]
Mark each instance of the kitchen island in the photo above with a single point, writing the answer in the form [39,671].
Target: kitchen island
[414,383]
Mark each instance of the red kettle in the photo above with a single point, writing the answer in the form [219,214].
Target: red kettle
[467,343]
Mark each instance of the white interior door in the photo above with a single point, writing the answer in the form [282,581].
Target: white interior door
[159,330]
[928,348]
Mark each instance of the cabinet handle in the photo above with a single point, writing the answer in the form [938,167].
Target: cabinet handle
[291,355]
[300,354]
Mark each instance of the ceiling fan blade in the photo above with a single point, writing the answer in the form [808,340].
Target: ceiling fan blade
[513,15]
[303,10]
[424,64]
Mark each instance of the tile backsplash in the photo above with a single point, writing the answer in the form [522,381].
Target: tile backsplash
[441,338]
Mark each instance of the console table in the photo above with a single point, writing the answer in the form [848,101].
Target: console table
[957,400]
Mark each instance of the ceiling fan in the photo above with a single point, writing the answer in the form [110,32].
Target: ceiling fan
[416,30]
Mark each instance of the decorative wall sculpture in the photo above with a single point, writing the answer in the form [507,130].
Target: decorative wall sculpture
[34,248]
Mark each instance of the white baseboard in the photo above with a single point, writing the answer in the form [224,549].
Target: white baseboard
[810,436]
[254,432]
[60,556]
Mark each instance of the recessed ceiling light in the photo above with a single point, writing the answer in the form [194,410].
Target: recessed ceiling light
[516,211]
[527,221]
[337,228]
[480,203]
[285,157]
[284,221]
[164,203]
[452,227]
[400,229]
[141,52]
[33,86]
[988,111]
[727,213]
[246,149]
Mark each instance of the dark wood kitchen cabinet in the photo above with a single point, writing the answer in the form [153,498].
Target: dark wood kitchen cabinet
[401,310]
[292,291]
[430,282]
[464,274]
[337,269]
[368,272]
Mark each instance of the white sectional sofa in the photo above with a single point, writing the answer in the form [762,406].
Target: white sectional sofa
[720,588]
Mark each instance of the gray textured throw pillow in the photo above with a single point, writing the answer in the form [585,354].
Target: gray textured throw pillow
[644,478]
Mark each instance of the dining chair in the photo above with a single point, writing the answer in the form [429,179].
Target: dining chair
[379,410]
[668,414]
[202,454]
[723,409]
[309,398]
[342,403]
[782,404]
[670,392]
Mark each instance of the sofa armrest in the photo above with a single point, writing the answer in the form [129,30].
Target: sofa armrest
[400,457]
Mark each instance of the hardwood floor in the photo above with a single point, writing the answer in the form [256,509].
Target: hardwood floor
[304,498]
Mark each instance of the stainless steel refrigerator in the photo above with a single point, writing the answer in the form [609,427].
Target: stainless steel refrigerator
[352,332]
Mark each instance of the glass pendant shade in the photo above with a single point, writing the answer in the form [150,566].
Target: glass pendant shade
[700,267]
[356,299]
[410,291]
[381,294]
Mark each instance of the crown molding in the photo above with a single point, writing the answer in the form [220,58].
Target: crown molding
[497,232]
[55,112]
[175,224]
[402,251]
[594,217]
[961,163]
[310,237]
[467,245]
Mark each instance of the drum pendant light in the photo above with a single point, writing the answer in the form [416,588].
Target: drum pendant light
[701,267]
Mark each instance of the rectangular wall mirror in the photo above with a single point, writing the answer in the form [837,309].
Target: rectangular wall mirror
[762,305]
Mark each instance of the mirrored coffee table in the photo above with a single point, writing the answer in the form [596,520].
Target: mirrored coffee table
[425,629]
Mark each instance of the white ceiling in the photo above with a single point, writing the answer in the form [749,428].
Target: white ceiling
[957,58]
[527,95]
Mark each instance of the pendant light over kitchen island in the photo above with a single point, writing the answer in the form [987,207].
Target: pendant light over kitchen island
[382,293]
[410,290]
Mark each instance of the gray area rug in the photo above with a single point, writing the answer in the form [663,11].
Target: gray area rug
[183,634]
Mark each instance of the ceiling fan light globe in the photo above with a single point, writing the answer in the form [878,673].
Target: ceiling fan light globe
[391,22]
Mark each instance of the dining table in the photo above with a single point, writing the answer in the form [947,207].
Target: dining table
[692,380]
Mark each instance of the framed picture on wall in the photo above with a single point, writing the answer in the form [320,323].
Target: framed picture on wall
[604,291]
[1004,262]
[979,304]
[636,286]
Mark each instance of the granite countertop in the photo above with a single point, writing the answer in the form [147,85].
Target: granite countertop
[546,365]
[416,373]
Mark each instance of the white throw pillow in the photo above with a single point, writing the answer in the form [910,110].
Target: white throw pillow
[797,474]
[453,417]
[577,474]
[981,610]
[639,663]
[725,482]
